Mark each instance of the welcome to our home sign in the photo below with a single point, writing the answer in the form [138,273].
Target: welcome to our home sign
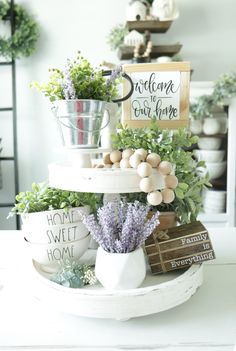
[161,92]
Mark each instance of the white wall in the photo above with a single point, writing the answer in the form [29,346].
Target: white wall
[206,28]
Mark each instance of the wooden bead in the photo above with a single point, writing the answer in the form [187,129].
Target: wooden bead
[124,163]
[144,169]
[153,159]
[154,198]
[116,165]
[165,167]
[115,156]
[142,153]
[146,185]
[127,153]
[135,160]
[168,195]
[171,181]
[106,159]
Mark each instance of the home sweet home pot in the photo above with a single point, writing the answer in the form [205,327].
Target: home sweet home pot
[52,236]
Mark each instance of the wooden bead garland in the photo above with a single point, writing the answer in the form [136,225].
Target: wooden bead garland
[144,162]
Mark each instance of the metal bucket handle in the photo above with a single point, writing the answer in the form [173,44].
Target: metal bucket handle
[87,131]
[127,77]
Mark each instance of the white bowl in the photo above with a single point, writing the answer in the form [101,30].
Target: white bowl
[216,169]
[209,143]
[56,233]
[49,255]
[209,155]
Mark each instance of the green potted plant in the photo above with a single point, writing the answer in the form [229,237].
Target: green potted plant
[52,225]
[172,146]
[80,94]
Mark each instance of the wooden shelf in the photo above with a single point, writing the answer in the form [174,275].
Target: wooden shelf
[154,26]
[126,52]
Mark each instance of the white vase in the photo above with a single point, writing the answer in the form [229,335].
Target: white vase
[164,9]
[120,271]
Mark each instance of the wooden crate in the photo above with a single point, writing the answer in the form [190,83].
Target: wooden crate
[178,247]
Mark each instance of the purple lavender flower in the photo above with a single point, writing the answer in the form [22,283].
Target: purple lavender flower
[121,227]
[67,85]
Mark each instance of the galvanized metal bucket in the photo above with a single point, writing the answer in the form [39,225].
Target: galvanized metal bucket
[81,122]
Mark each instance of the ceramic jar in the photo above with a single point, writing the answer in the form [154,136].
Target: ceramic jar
[120,271]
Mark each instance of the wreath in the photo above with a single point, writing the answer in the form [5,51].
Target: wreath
[26,32]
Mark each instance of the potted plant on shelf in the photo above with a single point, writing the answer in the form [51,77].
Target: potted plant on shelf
[80,94]
[172,146]
[52,223]
[120,230]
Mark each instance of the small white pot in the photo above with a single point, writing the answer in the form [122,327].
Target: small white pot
[118,271]
[211,126]
[54,217]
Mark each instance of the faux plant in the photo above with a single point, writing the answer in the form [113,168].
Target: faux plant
[224,88]
[172,146]
[73,275]
[43,198]
[116,36]
[121,227]
[24,39]
[79,80]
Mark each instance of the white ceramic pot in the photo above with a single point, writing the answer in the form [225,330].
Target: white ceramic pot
[49,255]
[211,126]
[118,271]
[215,169]
[55,234]
[54,217]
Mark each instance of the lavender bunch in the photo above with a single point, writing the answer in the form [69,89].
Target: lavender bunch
[122,227]
[67,85]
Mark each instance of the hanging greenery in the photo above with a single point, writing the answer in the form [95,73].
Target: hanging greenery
[26,32]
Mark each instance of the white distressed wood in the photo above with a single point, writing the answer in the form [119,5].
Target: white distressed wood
[157,293]
[98,180]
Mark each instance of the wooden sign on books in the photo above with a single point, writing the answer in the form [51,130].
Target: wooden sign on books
[178,247]
[161,92]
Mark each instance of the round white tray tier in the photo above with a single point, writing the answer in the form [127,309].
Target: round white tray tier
[158,293]
[98,180]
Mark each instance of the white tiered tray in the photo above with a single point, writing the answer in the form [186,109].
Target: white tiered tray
[98,180]
[157,293]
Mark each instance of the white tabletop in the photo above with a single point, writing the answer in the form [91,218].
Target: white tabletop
[206,322]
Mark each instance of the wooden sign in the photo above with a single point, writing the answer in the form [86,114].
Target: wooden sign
[178,247]
[161,92]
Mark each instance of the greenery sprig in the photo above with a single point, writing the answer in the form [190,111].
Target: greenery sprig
[87,82]
[44,198]
[25,36]
[171,146]
[71,274]
[224,88]
[116,36]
